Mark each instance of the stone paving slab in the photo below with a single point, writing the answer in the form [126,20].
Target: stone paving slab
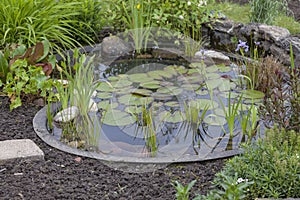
[22,149]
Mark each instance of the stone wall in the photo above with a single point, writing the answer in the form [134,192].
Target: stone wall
[273,40]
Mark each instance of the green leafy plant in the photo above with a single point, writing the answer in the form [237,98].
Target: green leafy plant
[89,17]
[137,18]
[30,21]
[183,192]
[149,129]
[28,72]
[272,163]
[231,112]
[227,187]
[79,92]
[265,11]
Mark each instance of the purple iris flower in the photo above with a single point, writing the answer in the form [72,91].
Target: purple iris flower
[242,45]
[257,43]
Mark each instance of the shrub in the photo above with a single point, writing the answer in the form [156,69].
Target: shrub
[30,21]
[273,164]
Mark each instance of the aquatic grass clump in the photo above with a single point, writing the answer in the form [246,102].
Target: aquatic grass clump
[30,21]
[79,91]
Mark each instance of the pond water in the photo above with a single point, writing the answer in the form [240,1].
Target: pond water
[163,108]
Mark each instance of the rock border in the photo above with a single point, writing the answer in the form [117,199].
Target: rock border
[273,40]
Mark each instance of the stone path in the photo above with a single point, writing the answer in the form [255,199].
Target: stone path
[19,149]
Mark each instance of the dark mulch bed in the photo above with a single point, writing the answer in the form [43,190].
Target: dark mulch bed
[60,176]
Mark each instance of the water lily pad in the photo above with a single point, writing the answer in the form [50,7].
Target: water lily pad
[213,68]
[162,96]
[118,118]
[139,77]
[213,83]
[225,85]
[172,104]
[201,92]
[104,95]
[232,94]
[197,65]
[213,76]
[113,78]
[105,105]
[125,90]
[223,68]
[214,120]
[206,103]
[128,99]
[253,94]
[192,87]
[175,117]
[105,87]
[151,85]
[155,75]
[141,92]
[121,83]
[172,90]
[134,109]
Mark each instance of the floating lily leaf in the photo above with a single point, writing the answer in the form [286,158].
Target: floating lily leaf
[105,87]
[113,78]
[151,85]
[211,69]
[124,90]
[176,117]
[181,69]
[214,120]
[194,71]
[197,65]
[201,92]
[127,99]
[195,78]
[232,94]
[155,75]
[140,78]
[121,83]
[105,105]
[192,87]
[168,73]
[252,94]
[142,92]
[134,109]
[213,76]
[118,118]
[225,85]
[171,90]
[172,104]
[104,95]
[223,68]
[206,104]
[213,83]
[162,96]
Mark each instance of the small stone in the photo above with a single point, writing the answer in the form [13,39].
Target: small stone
[78,159]
[217,57]
[66,115]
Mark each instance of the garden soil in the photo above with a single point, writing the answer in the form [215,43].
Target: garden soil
[65,176]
